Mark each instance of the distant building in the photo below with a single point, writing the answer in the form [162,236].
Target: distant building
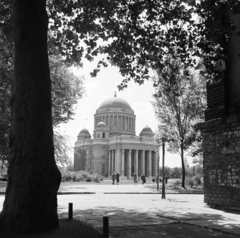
[115,146]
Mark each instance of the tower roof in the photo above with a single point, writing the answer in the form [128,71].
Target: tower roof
[84,133]
[146,131]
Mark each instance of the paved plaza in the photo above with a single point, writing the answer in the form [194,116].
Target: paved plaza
[136,212]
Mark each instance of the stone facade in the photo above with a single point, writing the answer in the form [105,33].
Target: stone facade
[115,147]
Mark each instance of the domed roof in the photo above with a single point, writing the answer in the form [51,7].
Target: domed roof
[84,132]
[101,124]
[115,102]
[147,131]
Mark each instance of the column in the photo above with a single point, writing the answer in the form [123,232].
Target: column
[113,161]
[126,125]
[129,163]
[118,161]
[143,162]
[109,162]
[149,163]
[156,162]
[117,123]
[122,164]
[136,162]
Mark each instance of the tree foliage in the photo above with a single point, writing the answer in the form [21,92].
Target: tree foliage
[139,35]
[61,149]
[67,89]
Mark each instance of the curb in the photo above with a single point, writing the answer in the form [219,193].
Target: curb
[72,193]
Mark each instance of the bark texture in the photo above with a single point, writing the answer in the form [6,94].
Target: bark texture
[31,198]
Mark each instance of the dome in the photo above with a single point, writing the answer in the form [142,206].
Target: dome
[101,125]
[84,133]
[115,102]
[146,131]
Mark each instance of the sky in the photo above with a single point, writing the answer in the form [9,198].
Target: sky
[103,87]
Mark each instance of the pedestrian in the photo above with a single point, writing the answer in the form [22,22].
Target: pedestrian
[166,179]
[135,179]
[143,178]
[117,178]
[153,179]
[113,178]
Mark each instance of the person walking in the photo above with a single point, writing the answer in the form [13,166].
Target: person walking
[166,179]
[135,179]
[143,178]
[113,178]
[117,178]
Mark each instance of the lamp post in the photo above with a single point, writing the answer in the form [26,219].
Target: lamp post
[163,172]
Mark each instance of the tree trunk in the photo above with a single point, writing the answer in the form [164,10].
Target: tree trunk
[31,197]
[183,166]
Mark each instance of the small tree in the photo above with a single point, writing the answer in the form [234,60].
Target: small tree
[179,104]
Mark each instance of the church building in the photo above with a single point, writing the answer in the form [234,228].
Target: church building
[115,147]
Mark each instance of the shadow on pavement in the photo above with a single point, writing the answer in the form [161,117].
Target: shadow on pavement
[129,223]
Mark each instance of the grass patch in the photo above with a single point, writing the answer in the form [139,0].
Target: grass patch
[67,229]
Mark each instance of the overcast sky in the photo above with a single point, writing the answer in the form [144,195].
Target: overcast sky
[103,87]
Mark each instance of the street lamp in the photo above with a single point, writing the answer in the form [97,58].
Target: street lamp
[163,171]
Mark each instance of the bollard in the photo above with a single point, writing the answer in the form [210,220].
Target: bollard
[105,227]
[70,211]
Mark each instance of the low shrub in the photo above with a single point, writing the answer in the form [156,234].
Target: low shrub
[177,184]
[189,182]
[198,180]
[80,176]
